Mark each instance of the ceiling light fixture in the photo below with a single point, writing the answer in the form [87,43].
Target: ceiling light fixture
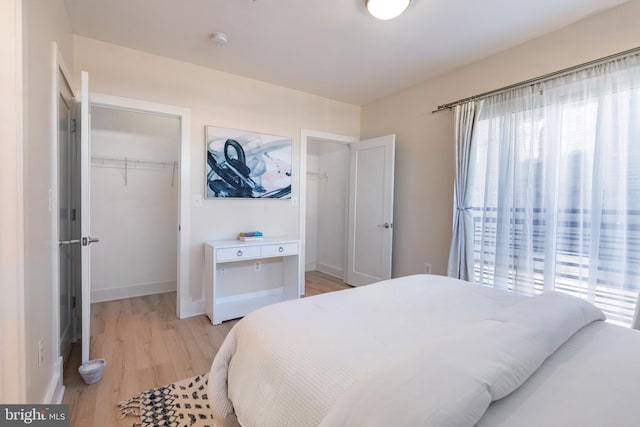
[386,9]
[219,39]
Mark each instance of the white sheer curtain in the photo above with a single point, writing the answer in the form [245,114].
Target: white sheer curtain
[461,254]
[554,188]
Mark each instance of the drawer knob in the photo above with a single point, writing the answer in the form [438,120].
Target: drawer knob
[239,253]
[280,249]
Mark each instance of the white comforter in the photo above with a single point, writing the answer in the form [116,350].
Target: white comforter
[420,350]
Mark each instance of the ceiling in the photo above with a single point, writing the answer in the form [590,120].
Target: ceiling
[331,48]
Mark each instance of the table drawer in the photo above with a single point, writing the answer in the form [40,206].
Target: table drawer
[237,253]
[280,249]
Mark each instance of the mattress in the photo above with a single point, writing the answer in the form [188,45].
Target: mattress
[423,350]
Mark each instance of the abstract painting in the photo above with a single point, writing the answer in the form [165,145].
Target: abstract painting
[245,164]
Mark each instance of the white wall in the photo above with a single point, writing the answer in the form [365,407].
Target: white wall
[424,143]
[45,21]
[225,100]
[135,220]
[12,363]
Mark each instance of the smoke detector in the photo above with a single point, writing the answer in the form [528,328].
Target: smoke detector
[220,39]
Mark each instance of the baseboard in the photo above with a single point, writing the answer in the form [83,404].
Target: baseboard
[310,266]
[55,390]
[59,395]
[330,270]
[137,290]
[191,308]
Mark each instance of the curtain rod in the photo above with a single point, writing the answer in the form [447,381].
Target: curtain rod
[534,80]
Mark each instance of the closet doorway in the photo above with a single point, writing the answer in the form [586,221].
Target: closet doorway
[135,181]
[327,201]
[346,206]
[121,139]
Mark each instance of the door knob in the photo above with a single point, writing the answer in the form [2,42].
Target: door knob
[385,225]
[86,241]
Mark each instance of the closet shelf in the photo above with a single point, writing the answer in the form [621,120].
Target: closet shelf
[131,163]
[126,163]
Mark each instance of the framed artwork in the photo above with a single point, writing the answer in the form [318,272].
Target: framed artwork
[247,165]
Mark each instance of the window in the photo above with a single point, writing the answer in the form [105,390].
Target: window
[554,188]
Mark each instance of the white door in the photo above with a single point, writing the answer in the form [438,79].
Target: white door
[370,210]
[85,214]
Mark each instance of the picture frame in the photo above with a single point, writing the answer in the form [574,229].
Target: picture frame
[247,165]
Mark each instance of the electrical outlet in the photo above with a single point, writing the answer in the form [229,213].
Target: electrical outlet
[256,266]
[427,268]
[40,352]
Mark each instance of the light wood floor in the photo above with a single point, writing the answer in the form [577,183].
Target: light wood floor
[318,283]
[147,346]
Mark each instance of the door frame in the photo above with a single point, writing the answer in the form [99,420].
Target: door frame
[305,136]
[184,304]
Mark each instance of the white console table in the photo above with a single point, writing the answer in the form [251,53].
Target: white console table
[243,276]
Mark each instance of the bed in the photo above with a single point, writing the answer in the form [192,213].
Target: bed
[431,351]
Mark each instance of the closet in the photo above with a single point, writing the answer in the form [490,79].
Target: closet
[327,201]
[134,203]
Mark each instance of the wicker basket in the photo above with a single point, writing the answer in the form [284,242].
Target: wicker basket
[92,370]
